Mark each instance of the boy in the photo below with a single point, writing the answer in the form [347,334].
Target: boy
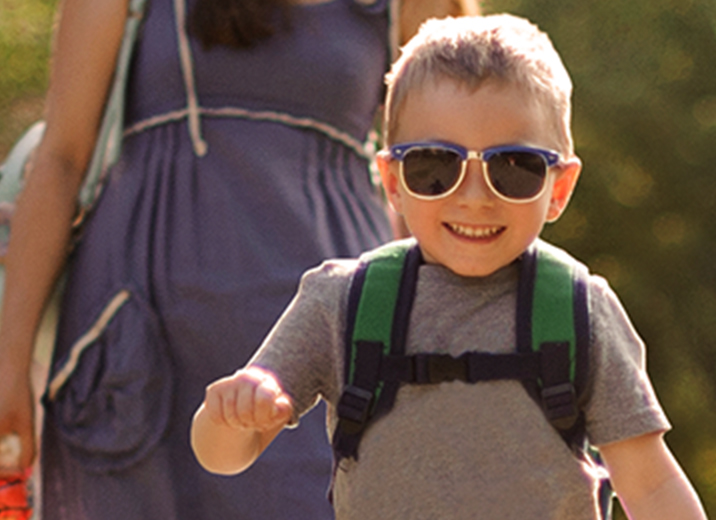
[468,100]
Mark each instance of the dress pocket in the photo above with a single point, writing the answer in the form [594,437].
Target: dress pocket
[110,397]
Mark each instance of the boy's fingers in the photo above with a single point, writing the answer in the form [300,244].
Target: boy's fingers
[272,406]
[214,406]
[251,398]
[283,409]
[244,404]
[230,405]
[220,402]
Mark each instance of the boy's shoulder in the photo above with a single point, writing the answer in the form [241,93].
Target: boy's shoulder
[555,251]
[336,269]
[328,282]
[392,249]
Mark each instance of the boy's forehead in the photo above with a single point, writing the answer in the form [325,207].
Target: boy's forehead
[447,91]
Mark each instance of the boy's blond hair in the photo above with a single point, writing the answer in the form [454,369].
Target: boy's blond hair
[471,50]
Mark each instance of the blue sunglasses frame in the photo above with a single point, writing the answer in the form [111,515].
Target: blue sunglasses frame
[399,151]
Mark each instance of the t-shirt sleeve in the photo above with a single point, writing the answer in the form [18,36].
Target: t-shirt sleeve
[303,350]
[622,401]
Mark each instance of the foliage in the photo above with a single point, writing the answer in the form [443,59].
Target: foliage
[644,211]
[24,53]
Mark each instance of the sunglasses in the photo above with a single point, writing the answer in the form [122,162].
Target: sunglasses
[434,170]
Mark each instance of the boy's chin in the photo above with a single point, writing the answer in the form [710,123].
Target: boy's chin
[468,268]
[474,272]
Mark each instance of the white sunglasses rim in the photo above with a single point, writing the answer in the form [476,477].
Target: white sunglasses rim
[398,152]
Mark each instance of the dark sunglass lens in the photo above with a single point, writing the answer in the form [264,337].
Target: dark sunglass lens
[431,171]
[517,175]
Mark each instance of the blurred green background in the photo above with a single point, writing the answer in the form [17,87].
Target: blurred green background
[644,212]
[25,27]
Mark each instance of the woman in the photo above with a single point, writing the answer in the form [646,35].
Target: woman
[242,165]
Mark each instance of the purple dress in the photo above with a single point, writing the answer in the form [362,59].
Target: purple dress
[192,253]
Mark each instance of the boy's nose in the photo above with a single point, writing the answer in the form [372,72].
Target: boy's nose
[474,186]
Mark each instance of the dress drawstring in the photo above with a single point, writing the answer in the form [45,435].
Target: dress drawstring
[193,115]
[194,112]
[394,30]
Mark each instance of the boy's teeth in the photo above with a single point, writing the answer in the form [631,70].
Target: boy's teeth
[474,232]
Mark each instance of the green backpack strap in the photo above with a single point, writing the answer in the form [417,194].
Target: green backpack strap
[553,319]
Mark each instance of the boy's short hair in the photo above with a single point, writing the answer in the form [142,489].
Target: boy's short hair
[471,50]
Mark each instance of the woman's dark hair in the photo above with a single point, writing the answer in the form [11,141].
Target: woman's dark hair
[237,23]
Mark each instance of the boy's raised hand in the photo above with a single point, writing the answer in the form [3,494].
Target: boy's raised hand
[249,399]
[239,418]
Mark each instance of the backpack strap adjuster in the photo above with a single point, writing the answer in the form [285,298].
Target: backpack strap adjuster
[559,397]
[560,404]
[354,405]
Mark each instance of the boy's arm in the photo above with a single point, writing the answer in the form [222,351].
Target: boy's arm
[648,480]
[240,416]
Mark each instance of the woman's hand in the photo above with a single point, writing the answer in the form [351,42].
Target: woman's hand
[17,413]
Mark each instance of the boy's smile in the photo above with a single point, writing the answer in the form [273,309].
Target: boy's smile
[472,231]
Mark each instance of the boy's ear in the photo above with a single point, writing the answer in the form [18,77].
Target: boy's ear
[389,177]
[563,187]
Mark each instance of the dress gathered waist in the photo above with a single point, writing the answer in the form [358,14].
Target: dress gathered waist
[193,111]
[363,149]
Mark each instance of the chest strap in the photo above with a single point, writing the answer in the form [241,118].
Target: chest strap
[373,367]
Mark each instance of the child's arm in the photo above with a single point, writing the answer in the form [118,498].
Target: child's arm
[649,481]
[240,416]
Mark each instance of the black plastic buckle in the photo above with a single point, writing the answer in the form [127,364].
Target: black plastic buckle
[354,404]
[438,368]
[560,405]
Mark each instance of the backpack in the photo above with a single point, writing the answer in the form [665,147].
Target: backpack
[551,358]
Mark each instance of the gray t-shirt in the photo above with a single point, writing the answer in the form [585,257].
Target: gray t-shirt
[456,450]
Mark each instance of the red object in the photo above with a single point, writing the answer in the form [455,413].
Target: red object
[16,497]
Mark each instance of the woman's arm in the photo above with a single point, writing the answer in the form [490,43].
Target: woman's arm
[84,55]
[414,12]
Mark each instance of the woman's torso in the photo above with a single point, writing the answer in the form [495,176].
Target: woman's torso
[327,66]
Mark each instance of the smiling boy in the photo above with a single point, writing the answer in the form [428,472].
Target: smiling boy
[473,231]
[479,156]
